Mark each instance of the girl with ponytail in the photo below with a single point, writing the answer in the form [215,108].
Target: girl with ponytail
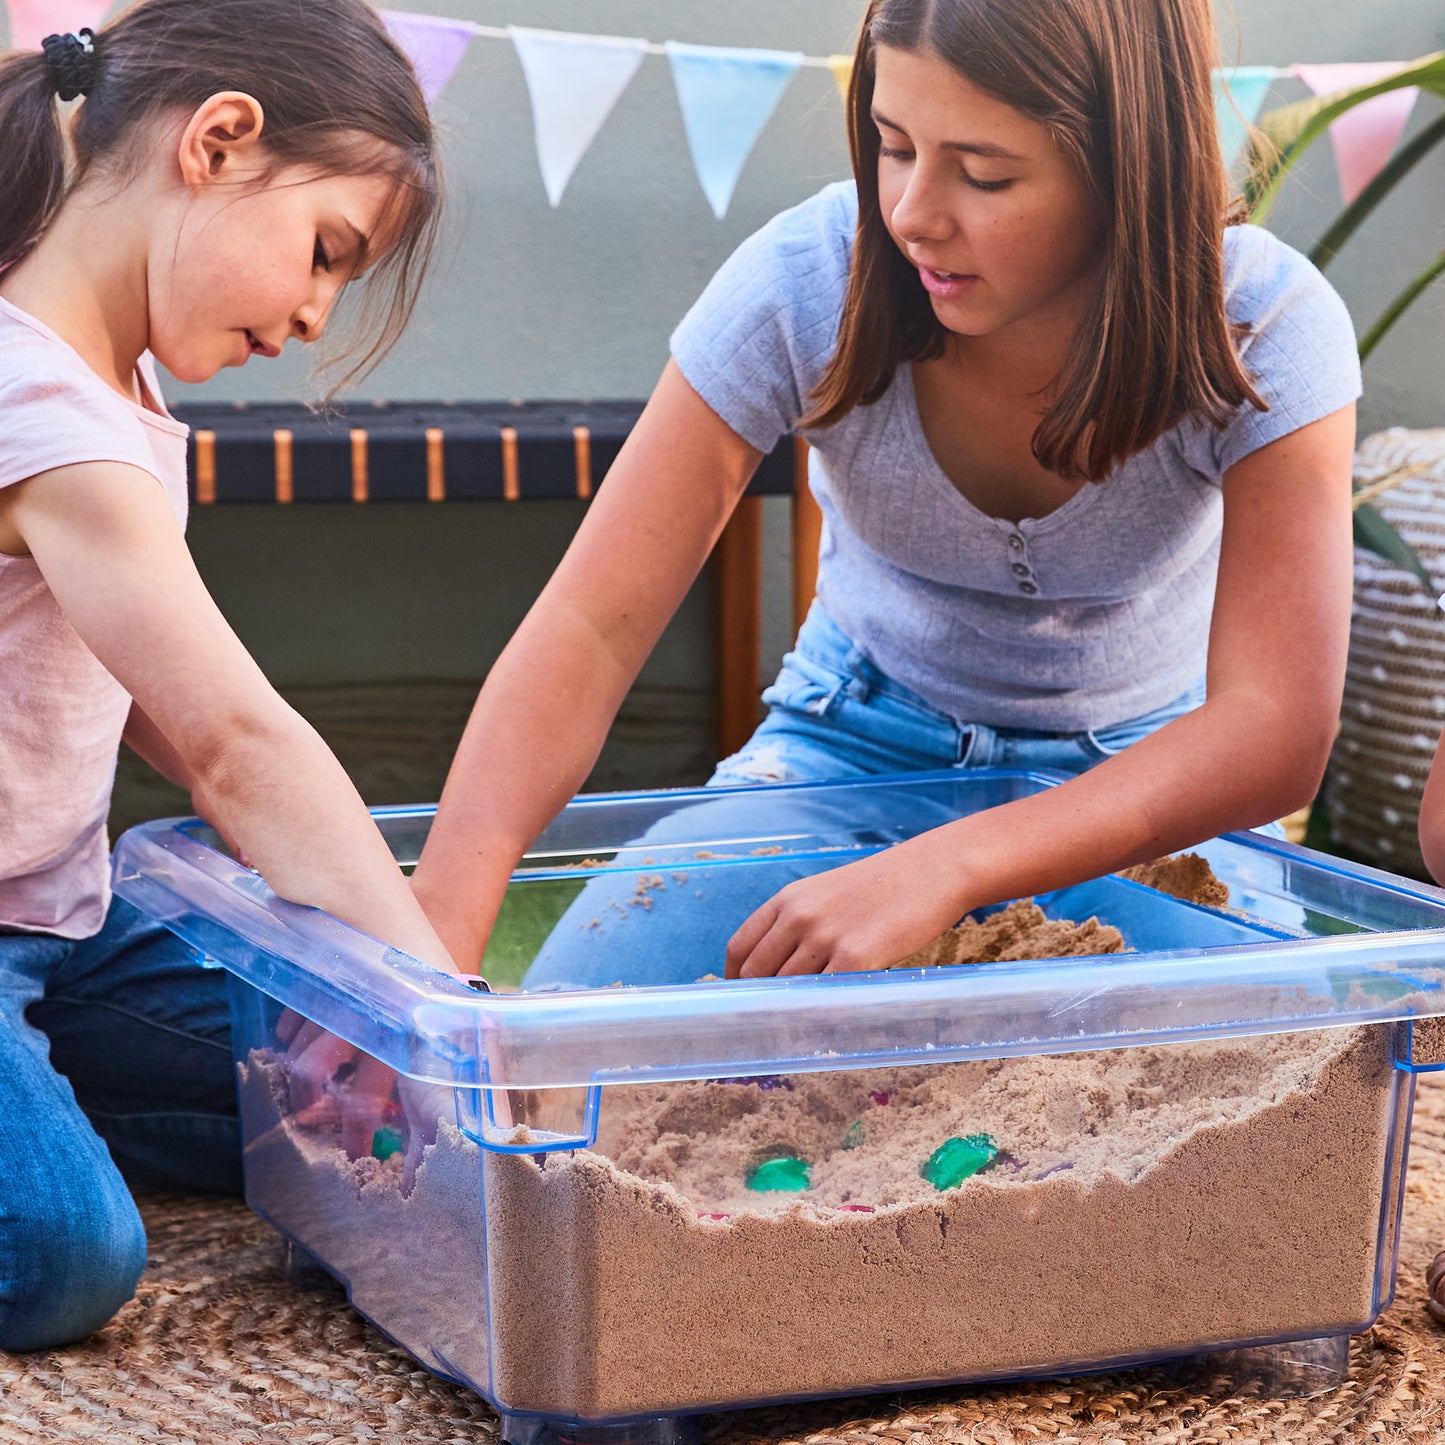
[221,172]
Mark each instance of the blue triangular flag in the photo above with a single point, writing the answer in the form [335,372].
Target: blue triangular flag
[1238,95]
[726,97]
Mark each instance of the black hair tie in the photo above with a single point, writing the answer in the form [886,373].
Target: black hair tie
[73,62]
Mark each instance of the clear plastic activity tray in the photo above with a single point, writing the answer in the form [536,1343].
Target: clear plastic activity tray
[619,1205]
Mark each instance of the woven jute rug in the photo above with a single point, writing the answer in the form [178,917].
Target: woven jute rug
[217,1347]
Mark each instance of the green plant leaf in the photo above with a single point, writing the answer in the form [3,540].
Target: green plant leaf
[1398,306]
[1291,129]
[1375,534]
[1395,169]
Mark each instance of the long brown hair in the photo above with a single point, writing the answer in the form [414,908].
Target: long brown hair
[1124,88]
[339,96]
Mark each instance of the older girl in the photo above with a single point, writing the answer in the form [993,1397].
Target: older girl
[1082,445]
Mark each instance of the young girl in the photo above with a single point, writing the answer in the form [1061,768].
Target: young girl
[1082,447]
[234,164]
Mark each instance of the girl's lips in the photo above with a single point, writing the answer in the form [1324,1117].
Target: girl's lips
[944,284]
[259,347]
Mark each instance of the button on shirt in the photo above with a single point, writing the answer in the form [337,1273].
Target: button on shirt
[1095,613]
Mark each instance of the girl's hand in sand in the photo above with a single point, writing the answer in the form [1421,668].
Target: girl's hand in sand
[424,1106]
[864,915]
[331,1082]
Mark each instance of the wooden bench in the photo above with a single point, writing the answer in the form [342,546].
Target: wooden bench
[285,455]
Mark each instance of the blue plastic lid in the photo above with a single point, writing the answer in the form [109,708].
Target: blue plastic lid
[1309,942]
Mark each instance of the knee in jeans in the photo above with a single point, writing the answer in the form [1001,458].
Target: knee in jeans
[65,1272]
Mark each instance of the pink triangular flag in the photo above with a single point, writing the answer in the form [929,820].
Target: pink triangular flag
[32,20]
[1365,136]
[434,43]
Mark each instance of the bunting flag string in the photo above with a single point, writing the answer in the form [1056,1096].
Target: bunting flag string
[434,43]
[727,94]
[726,98]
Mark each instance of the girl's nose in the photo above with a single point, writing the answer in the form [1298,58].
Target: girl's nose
[308,322]
[920,214]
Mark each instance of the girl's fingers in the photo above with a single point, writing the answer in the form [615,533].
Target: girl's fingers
[771,952]
[303,1038]
[325,1112]
[288,1026]
[365,1105]
[742,945]
[424,1105]
[310,1070]
[807,957]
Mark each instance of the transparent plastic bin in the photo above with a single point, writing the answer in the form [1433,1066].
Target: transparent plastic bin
[1194,1147]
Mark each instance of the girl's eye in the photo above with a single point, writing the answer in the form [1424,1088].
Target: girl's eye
[319,256]
[893,155]
[986,185]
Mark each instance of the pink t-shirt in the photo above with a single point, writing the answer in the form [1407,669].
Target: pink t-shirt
[61,712]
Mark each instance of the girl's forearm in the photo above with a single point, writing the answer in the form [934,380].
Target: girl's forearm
[1432,816]
[275,787]
[527,749]
[147,741]
[1234,763]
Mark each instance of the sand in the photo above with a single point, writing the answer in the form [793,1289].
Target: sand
[1149,1200]
[1145,1200]
[1022,930]
[414,1265]
[1184,875]
[1142,1202]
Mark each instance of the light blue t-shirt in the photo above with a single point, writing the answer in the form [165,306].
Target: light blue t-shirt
[1094,614]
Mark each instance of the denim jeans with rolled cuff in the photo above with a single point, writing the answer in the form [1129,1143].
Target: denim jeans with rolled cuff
[115,1054]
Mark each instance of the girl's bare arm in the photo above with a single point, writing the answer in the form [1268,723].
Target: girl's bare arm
[147,741]
[1253,752]
[109,547]
[1432,816]
[543,714]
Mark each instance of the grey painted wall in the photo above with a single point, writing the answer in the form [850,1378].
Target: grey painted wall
[578,302]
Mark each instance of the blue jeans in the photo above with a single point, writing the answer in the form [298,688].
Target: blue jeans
[116,1059]
[831,714]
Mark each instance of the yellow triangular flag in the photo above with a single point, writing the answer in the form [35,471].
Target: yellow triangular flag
[842,68]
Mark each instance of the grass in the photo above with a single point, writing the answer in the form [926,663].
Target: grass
[529,914]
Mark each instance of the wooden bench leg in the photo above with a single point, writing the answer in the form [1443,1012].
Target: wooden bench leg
[737,625]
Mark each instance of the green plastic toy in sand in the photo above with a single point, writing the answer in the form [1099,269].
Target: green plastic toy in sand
[785,1175]
[386,1142]
[958,1159]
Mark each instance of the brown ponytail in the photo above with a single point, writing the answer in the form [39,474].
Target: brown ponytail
[32,158]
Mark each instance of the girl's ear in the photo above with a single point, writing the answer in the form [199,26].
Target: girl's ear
[222,139]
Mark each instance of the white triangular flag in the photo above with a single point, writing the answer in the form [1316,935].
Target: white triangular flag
[574,81]
[726,97]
